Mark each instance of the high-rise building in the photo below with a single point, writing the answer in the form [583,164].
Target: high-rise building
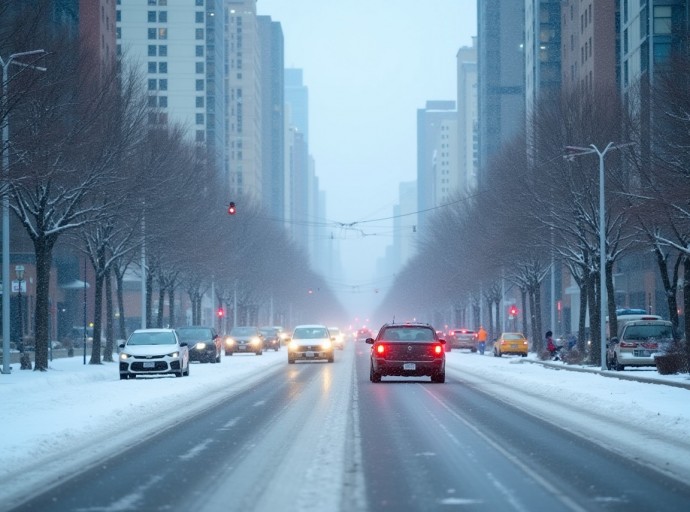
[244,99]
[500,76]
[273,116]
[179,47]
[436,135]
[467,118]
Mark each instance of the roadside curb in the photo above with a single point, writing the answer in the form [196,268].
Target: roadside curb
[608,373]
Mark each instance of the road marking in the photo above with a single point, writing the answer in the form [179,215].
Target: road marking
[196,450]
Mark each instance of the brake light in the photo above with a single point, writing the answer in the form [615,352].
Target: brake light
[438,350]
[380,349]
[627,344]
[650,345]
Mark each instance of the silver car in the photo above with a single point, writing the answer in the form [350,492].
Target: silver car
[153,352]
[311,342]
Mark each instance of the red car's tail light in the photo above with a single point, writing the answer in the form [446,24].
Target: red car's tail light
[380,349]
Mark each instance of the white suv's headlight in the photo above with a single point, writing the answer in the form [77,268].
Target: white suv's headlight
[124,356]
[174,355]
[326,345]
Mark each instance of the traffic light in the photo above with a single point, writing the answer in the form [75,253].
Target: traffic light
[231,208]
[220,312]
[513,310]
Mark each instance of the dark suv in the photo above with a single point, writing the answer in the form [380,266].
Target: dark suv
[407,350]
[204,343]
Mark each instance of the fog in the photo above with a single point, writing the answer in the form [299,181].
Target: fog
[368,66]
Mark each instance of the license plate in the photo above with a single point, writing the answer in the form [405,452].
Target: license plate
[149,364]
[243,347]
[309,354]
[409,366]
[642,353]
[513,346]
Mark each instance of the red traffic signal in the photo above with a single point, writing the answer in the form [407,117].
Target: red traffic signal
[231,208]
[513,310]
[220,312]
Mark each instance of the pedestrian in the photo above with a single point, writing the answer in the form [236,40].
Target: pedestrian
[551,346]
[481,339]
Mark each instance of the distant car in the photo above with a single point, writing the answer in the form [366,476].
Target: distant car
[363,334]
[152,352]
[271,337]
[463,339]
[244,339]
[204,343]
[338,336]
[407,350]
[639,342]
[311,342]
[512,343]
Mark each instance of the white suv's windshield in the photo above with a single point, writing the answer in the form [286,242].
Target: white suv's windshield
[310,333]
[151,338]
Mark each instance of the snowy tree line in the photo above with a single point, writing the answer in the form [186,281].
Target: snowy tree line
[537,205]
[87,168]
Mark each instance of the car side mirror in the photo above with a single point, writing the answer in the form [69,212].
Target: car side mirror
[442,342]
[369,341]
[121,345]
[184,344]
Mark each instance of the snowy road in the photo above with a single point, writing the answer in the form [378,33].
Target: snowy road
[257,434]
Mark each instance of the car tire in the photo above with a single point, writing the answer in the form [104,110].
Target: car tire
[331,359]
[228,353]
[374,376]
[439,377]
[179,374]
[496,353]
[473,350]
[260,352]
[291,360]
[123,376]
[218,357]
[616,365]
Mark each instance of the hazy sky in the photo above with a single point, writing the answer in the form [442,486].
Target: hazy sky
[369,65]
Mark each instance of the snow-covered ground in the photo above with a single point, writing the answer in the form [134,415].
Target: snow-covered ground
[74,414]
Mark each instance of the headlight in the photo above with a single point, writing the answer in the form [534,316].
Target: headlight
[124,356]
[174,355]
[255,341]
[229,342]
[201,346]
[293,345]
[326,345]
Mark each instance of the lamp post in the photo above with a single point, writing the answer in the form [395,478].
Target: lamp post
[573,151]
[12,59]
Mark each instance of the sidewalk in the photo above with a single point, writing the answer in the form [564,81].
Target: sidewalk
[679,380]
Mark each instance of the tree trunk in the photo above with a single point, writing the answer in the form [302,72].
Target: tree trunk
[149,299]
[670,285]
[537,318]
[686,308]
[43,249]
[611,297]
[536,335]
[171,305]
[109,330]
[161,302]
[97,314]
[594,331]
[119,279]
[523,299]
[582,319]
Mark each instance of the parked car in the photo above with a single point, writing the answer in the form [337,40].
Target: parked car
[271,337]
[338,336]
[153,352]
[244,339]
[639,341]
[513,343]
[311,342]
[204,343]
[407,350]
[463,338]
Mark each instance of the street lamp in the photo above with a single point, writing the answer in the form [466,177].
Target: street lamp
[19,270]
[572,152]
[12,59]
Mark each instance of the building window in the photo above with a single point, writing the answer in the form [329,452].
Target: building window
[662,20]
[200,119]
[163,16]
[162,33]
[200,135]
[163,84]
[152,16]
[152,67]
[152,50]
[163,102]
[118,33]
[152,84]
[199,67]
[163,50]
[199,102]
[199,33]
[152,2]
[162,67]
[152,101]
[199,51]
[200,2]
[199,16]
[118,15]
[199,85]
[152,33]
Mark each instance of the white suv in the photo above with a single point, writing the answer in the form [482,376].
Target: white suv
[639,341]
